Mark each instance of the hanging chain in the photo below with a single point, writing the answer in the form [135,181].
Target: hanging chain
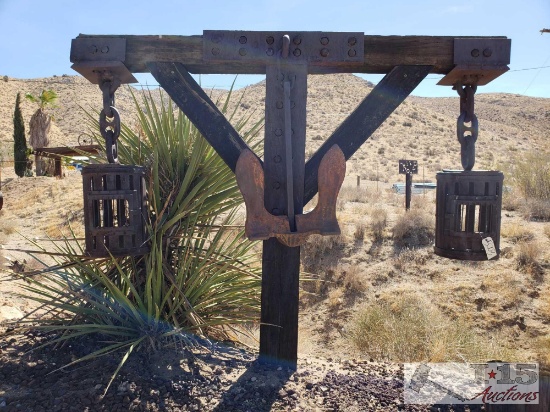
[467,135]
[109,118]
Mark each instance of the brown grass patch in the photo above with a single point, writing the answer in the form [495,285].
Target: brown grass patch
[527,257]
[414,228]
[407,328]
[516,232]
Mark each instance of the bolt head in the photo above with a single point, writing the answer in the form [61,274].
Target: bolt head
[352,41]
[105,49]
[324,52]
[270,52]
[242,51]
[277,159]
[487,52]
[475,53]
[324,41]
[276,185]
[215,51]
[297,40]
[243,39]
[278,132]
[297,52]
[352,53]
[279,105]
[269,40]
[93,49]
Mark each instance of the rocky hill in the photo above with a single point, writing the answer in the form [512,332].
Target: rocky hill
[421,128]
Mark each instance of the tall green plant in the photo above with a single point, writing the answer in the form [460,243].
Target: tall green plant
[200,280]
[19,140]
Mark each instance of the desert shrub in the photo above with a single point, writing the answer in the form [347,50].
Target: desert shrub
[200,279]
[531,175]
[360,230]
[527,258]
[536,209]
[414,228]
[378,223]
[408,329]
[516,232]
[7,226]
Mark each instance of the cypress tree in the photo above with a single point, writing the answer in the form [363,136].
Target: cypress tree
[19,140]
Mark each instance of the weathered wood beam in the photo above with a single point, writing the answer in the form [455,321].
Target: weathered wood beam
[366,118]
[201,110]
[382,53]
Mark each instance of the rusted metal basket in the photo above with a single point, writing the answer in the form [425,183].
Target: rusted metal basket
[115,210]
[468,209]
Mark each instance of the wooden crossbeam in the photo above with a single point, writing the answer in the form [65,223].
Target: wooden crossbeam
[201,110]
[387,95]
[381,54]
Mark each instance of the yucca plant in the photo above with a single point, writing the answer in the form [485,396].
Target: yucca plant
[201,277]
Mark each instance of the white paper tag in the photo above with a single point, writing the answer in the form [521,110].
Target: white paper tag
[489,247]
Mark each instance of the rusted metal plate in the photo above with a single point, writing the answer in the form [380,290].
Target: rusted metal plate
[261,225]
[478,60]
[322,219]
[315,48]
[408,167]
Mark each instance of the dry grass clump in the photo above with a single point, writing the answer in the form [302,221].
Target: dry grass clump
[536,209]
[406,328]
[7,225]
[511,200]
[504,288]
[409,257]
[547,230]
[544,307]
[360,231]
[516,232]
[531,177]
[528,258]
[378,222]
[349,276]
[414,228]
[318,247]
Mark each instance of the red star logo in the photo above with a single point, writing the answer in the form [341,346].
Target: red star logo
[492,374]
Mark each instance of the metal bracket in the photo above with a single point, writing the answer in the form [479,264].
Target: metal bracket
[94,57]
[478,61]
[316,48]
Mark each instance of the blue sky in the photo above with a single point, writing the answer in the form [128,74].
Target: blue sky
[36,35]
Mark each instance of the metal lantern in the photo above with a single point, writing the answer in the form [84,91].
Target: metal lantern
[115,204]
[467,212]
[115,196]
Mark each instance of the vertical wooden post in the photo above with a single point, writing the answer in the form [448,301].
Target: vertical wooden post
[408,190]
[281,264]
[358,181]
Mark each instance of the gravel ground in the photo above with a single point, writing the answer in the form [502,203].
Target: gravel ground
[227,379]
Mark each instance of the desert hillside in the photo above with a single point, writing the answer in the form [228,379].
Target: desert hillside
[421,128]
